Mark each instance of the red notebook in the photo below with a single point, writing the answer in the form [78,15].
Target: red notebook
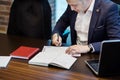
[24,52]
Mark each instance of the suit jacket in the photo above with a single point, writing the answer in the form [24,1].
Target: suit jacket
[104,23]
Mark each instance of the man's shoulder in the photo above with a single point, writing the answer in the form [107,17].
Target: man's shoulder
[107,2]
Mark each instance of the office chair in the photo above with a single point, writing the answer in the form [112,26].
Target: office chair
[30,18]
[119,8]
[116,1]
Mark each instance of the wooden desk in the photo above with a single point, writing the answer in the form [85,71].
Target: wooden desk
[19,69]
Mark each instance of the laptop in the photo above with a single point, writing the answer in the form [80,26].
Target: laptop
[109,59]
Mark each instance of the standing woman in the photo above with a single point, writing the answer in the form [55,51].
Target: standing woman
[30,18]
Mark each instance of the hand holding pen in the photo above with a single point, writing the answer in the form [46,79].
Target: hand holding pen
[56,39]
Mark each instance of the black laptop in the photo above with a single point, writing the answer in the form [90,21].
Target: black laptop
[109,59]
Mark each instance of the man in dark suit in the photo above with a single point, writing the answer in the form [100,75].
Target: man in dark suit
[90,21]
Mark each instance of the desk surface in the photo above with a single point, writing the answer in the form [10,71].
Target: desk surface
[19,69]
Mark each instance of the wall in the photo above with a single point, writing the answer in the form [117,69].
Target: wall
[53,8]
[4,14]
[61,6]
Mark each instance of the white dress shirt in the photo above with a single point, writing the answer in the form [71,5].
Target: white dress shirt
[82,25]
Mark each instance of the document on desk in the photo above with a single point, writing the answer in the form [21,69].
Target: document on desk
[46,48]
[4,60]
[53,56]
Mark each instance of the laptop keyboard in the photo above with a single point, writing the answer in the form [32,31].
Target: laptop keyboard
[94,64]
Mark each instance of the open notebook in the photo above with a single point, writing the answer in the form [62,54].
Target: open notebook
[109,59]
[53,56]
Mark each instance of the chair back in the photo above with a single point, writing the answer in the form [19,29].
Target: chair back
[30,18]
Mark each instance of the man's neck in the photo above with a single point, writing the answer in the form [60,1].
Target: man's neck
[87,5]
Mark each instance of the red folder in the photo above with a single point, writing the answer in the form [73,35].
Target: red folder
[24,52]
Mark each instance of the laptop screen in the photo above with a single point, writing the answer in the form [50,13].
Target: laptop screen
[109,59]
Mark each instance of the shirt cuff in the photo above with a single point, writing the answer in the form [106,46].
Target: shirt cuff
[92,48]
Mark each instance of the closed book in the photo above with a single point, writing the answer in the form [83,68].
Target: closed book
[24,52]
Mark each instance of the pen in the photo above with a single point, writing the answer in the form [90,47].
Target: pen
[58,39]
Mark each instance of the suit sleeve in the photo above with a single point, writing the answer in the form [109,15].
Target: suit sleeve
[112,22]
[63,22]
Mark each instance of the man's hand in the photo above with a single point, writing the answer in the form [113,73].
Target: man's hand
[77,49]
[56,40]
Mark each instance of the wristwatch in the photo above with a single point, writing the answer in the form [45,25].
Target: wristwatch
[91,48]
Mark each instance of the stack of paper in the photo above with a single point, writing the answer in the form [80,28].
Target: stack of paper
[4,60]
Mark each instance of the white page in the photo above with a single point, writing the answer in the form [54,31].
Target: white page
[43,58]
[52,49]
[4,60]
[57,49]
[64,61]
